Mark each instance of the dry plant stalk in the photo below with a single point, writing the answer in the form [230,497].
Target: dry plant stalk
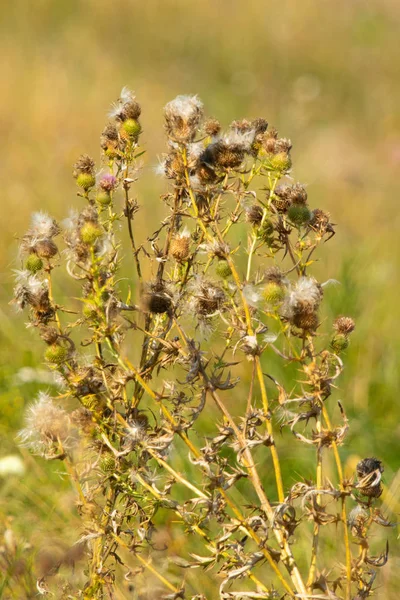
[119,445]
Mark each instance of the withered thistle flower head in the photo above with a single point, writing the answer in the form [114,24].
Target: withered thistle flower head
[357,518]
[298,193]
[180,246]
[126,106]
[44,226]
[212,127]
[84,164]
[282,198]
[182,117]
[369,473]
[217,249]
[250,346]
[110,133]
[208,298]
[157,299]
[224,153]
[30,290]
[306,292]
[45,248]
[302,302]
[254,214]
[344,325]
[49,334]
[46,425]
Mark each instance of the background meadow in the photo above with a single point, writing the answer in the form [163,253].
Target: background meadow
[326,74]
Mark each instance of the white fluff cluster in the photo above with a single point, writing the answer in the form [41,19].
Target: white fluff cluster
[305,291]
[46,425]
[185,107]
[126,96]
[240,138]
[43,226]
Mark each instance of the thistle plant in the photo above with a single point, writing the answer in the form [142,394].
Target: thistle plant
[170,419]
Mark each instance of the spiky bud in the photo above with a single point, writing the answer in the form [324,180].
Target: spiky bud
[265,231]
[131,127]
[274,293]
[299,214]
[90,232]
[223,269]
[86,181]
[56,354]
[280,162]
[103,198]
[33,263]
[339,343]
[107,463]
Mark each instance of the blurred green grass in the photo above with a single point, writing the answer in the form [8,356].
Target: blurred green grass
[327,75]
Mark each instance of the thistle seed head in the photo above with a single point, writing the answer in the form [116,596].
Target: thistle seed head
[344,325]
[182,117]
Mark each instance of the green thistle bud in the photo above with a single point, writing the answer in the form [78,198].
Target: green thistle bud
[103,198]
[339,342]
[131,127]
[280,162]
[107,463]
[223,269]
[274,293]
[90,232]
[33,263]
[56,354]
[299,214]
[86,181]
[265,231]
